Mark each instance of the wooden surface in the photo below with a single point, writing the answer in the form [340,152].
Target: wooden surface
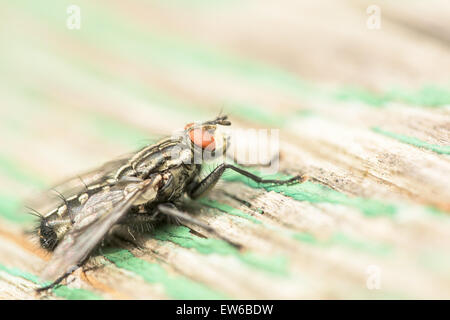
[363,113]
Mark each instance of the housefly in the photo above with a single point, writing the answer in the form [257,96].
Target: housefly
[132,194]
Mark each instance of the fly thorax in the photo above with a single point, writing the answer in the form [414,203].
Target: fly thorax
[180,155]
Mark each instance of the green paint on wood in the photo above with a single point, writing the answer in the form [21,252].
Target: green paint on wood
[150,48]
[304,113]
[427,96]
[437,212]
[21,274]
[414,141]
[360,94]
[346,241]
[60,291]
[337,239]
[168,52]
[11,209]
[75,294]
[305,237]
[98,124]
[176,287]
[14,170]
[340,238]
[119,131]
[317,193]
[255,113]
[180,235]
[98,34]
[228,209]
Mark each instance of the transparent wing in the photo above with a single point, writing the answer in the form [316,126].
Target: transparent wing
[91,177]
[95,219]
[46,201]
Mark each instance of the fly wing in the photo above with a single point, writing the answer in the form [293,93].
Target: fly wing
[45,202]
[93,176]
[96,218]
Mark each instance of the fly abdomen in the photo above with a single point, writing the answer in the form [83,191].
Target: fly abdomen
[57,222]
[47,236]
[51,231]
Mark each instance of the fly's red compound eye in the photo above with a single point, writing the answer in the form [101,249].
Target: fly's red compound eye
[203,139]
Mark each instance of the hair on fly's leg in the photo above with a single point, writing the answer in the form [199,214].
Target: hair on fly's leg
[122,234]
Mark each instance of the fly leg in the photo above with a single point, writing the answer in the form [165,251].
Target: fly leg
[60,279]
[170,210]
[204,185]
[119,235]
[137,222]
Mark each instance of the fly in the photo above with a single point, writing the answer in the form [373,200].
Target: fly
[133,194]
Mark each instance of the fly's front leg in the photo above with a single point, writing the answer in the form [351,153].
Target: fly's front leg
[170,210]
[197,189]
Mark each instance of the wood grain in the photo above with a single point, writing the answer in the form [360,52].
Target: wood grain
[364,114]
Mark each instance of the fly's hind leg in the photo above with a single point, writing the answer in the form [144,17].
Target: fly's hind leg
[171,210]
[197,189]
